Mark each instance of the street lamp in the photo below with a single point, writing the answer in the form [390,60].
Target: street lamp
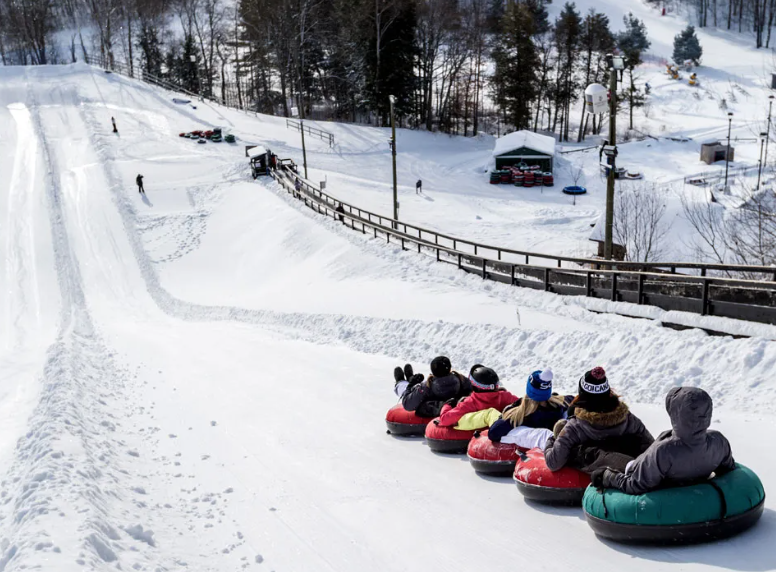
[392,100]
[727,151]
[763,137]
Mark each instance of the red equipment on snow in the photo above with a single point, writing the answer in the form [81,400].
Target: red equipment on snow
[403,422]
[492,458]
[536,482]
[447,439]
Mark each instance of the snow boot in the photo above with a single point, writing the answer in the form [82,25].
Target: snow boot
[398,374]
[408,373]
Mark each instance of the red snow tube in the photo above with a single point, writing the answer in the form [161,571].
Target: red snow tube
[491,458]
[403,422]
[447,439]
[538,483]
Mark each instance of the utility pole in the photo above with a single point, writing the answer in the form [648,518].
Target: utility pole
[616,64]
[760,168]
[768,129]
[304,149]
[727,151]
[392,99]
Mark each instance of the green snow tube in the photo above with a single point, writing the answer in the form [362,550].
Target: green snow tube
[713,509]
[229,138]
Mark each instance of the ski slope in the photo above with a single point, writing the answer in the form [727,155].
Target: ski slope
[197,379]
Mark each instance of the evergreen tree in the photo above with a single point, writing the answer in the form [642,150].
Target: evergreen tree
[396,72]
[150,50]
[541,20]
[687,47]
[568,29]
[187,70]
[514,81]
[633,42]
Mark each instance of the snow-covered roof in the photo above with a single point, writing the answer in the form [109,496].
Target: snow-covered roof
[511,141]
[256,151]
[710,142]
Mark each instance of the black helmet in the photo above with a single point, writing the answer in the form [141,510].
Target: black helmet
[441,366]
[483,378]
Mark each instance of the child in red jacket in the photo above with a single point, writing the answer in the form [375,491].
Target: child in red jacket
[487,393]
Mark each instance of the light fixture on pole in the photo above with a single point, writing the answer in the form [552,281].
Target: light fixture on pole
[616,65]
[763,137]
[727,151]
[392,100]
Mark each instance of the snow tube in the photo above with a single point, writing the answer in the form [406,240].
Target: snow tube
[447,439]
[574,190]
[491,458]
[713,509]
[403,422]
[538,483]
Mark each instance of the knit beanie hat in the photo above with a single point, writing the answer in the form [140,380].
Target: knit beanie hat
[441,366]
[594,391]
[483,378]
[539,385]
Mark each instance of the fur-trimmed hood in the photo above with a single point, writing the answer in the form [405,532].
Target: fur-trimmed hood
[603,420]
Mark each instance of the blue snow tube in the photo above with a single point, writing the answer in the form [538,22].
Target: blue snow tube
[574,190]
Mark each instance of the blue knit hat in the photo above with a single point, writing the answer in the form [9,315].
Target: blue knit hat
[539,386]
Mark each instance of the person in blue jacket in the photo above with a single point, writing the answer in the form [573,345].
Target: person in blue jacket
[529,421]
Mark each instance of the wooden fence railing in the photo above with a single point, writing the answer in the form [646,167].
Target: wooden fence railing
[636,283]
[314,131]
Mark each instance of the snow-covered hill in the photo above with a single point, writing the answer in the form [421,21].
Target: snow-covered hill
[197,379]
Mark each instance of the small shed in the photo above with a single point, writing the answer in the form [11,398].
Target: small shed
[525,147]
[599,237]
[712,151]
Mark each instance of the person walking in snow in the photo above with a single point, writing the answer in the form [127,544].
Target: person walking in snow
[600,433]
[687,453]
[139,181]
[528,422]
[298,185]
[418,187]
[340,209]
[113,121]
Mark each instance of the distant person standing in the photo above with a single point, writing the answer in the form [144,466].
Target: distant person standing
[418,187]
[113,121]
[139,181]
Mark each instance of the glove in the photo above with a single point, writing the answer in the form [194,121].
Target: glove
[597,478]
[416,379]
[452,402]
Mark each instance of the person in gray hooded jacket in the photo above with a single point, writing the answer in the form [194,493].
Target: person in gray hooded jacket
[685,454]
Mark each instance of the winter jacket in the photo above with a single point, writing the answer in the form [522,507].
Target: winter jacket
[686,453]
[589,436]
[545,417]
[477,420]
[477,401]
[426,399]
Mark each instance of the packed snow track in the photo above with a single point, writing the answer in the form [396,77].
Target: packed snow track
[197,379]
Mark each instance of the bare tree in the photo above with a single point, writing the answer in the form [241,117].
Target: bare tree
[638,222]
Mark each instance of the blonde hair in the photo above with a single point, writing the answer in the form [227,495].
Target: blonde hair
[516,415]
